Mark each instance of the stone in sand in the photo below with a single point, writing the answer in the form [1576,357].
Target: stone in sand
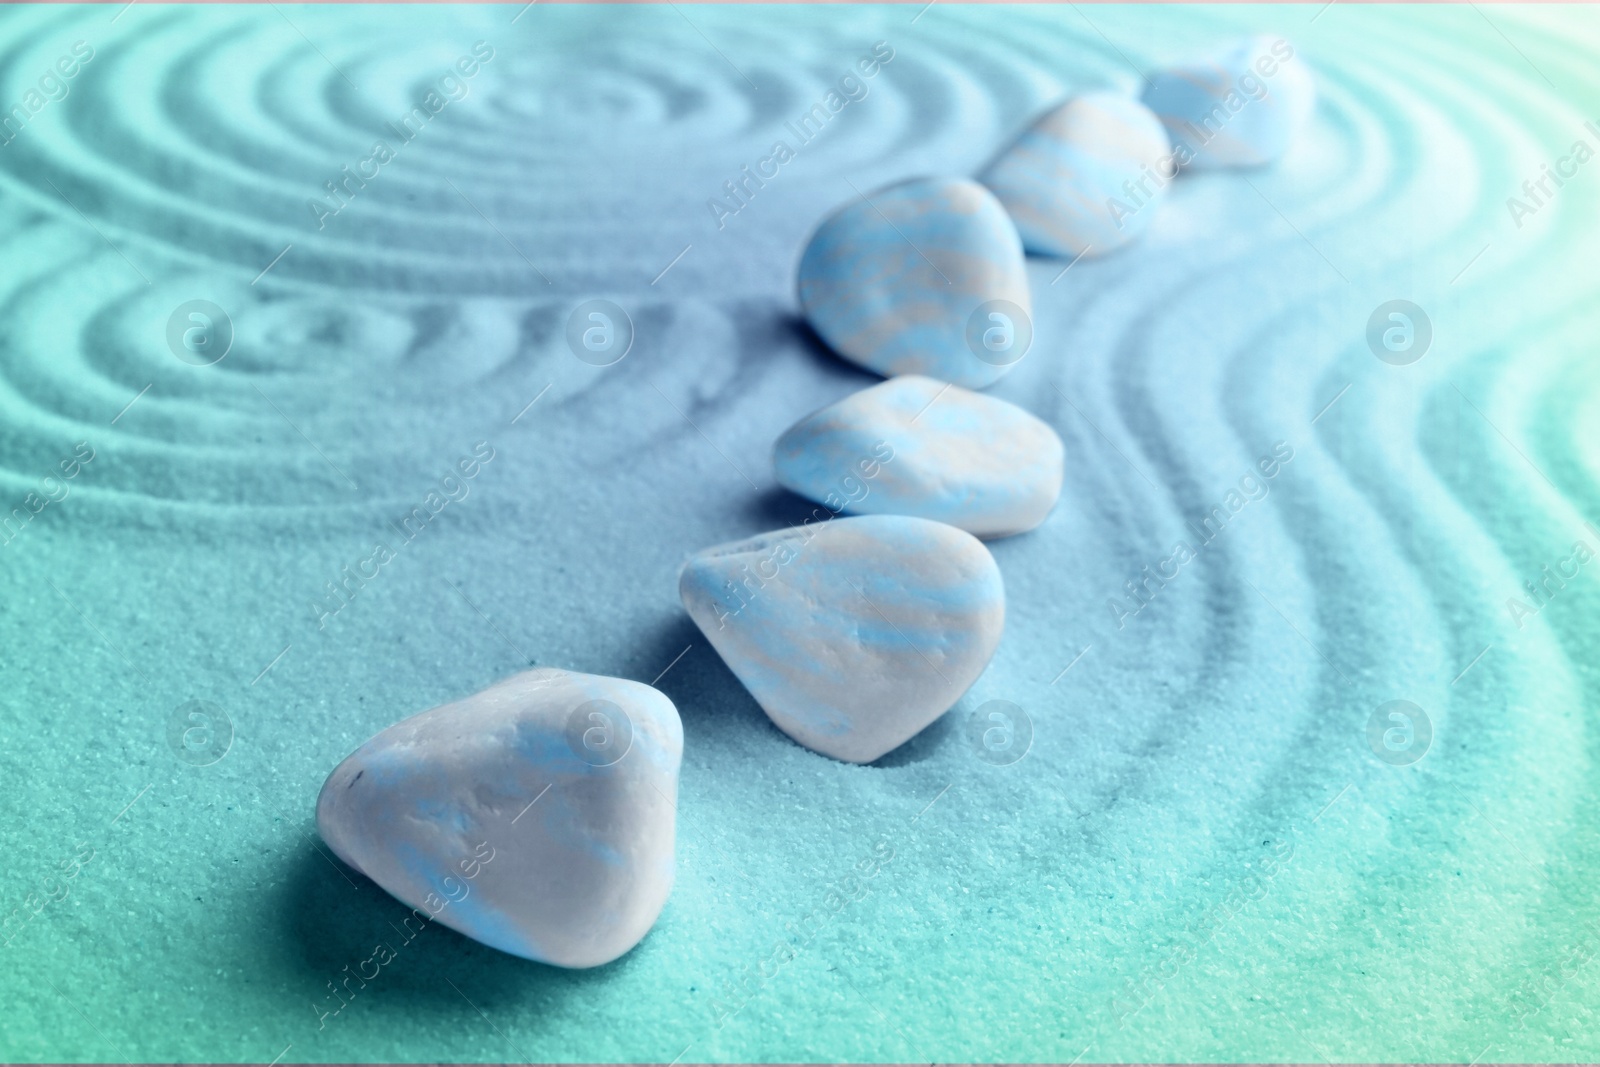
[1085,178]
[536,816]
[892,280]
[1241,107]
[916,446]
[852,634]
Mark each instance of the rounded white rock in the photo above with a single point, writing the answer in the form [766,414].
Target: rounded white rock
[1085,179]
[852,634]
[917,446]
[1241,107]
[537,816]
[894,281]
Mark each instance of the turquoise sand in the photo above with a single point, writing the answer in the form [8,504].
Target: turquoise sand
[1201,856]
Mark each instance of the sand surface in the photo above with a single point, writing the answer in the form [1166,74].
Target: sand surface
[1199,858]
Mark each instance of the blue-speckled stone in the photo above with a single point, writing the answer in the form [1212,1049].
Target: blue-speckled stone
[917,446]
[890,281]
[435,809]
[1240,107]
[1085,179]
[852,634]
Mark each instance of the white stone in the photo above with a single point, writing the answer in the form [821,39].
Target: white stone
[893,280]
[852,634]
[536,816]
[917,446]
[1085,179]
[1240,107]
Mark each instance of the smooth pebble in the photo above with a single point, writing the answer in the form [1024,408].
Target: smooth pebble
[852,634]
[1242,107]
[916,446]
[1085,178]
[536,816]
[893,280]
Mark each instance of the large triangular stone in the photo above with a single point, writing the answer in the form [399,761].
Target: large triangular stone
[536,816]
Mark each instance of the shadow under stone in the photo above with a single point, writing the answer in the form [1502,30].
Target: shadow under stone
[932,741]
[344,941]
[718,712]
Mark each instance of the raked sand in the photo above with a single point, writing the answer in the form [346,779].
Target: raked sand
[1199,858]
